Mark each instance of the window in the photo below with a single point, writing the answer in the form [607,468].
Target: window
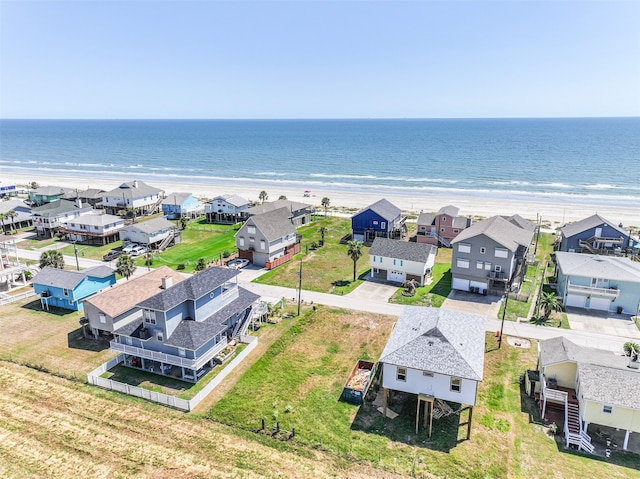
[498,268]
[103,319]
[444,219]
[428,374]
[462,263]
[251,230]
[441,230]
[129,340]
[483,250]
[65,291]
[149,316]
[502,253]
[383,225]
[375,222]
[241,238]
[479,264]
[464,248]
[401,263]
[607,408]
[487,266]
[394,262]
[181,352]
[456,385]
[159,335]
[262,244]
[374,259]
[402,374]
[456,231]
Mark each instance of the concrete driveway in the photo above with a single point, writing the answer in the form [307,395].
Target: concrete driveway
[462,301]
[602,322]
[374,291]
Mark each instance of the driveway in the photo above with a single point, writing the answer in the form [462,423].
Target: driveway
[462,301]
[603,322]
[374,291]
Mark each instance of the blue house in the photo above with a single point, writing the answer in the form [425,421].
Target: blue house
[181,330]
[596,282]
[66,289]
[178,205]
[379,219]
[595,235]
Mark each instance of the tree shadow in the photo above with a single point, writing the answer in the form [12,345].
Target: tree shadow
[76,340]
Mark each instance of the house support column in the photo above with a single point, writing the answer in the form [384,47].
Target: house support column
[625,444]
[469,422]
[142,362]
[385,399]
[544,404]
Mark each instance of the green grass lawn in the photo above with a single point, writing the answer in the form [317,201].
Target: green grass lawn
[327,269]
[432,294]
[298,383]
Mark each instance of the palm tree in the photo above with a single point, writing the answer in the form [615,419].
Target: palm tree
[52,258]
[322,230]
[11,215]
[325,202]
[550,302]
[125,266]
[3,216]
[355,253]
[263,196]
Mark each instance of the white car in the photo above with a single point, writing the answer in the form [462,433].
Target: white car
[127,249]
[138,250]
[238,263]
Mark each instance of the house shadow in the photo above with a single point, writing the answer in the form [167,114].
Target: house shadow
[76,340]
[35,305]
[447,432]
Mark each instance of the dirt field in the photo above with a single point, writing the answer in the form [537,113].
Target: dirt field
[53,427]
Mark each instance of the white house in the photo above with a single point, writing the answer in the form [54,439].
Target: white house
[145,199]
[50,217]
[226,209]
[153,232]
[435,354]
[401,261]
[94,228]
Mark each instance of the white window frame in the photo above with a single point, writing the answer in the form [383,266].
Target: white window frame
[483,250]
[102,318]
[464,248]
[456,385]
[480,264]
[498,268]
[428,374]
[149,316]
[501,253]
[263,244]
[462,263]
[241,240]
[182,352]
[160,335]
[251,230]
[401,374]
[487,266]
[383,224]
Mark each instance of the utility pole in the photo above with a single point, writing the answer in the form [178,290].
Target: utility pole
[75,250]
[504,312]
[299,286]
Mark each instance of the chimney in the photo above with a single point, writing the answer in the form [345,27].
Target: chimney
[78,202]
[167,282]
[135,183]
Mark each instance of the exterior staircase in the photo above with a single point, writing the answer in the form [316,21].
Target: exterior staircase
[242,326]
[165,242]
[573,431]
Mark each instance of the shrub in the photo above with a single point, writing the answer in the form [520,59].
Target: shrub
[180,266]
[226,254]
[629,346]
[553,428]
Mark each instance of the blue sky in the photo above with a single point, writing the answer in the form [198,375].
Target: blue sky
[318,59]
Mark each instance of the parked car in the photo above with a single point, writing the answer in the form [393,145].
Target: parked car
[111,255]
[138,250]
[238,263]
[127,249]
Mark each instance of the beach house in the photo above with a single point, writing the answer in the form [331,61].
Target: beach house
[601,283]
[401,261]
[434,354]
[299,213]
[380,219]
[50,217]
[135,196]
[93,228]
[268,239]
[442,227]
[596,392]
[116,306]
[47,194]
[181,205]
[596,235]
[67,289]
[20,218]
[226,209]
[491,254]
[184,326]
[156,233]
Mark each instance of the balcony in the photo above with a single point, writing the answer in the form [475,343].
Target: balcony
[497,275]
[604,292]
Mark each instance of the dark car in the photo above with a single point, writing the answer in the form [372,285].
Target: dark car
[113,254]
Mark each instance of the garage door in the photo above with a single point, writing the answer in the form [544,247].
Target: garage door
[461,284]
[600,304]
[395,276]
[477,284]
[576,301]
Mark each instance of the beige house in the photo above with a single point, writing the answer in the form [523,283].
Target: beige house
[597,390]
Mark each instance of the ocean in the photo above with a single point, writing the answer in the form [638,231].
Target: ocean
[579,160]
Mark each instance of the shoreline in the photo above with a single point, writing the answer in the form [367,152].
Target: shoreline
[555,210]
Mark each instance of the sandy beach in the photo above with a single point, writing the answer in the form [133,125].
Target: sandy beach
[554,212]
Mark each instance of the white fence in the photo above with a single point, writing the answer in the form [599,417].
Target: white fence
[6,299]
[166,400]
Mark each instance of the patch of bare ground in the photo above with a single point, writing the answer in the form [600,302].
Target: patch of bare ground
[53,427]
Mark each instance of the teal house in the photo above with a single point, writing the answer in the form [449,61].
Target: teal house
[66,289]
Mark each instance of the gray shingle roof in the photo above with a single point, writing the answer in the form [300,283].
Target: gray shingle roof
[592,266]
[448,210]
[176,198]
[384,208]
[232,199]
[604,376]
[520,222]
[461,222]
[191,288]
[130,190]
[151,226]
[588,223]
[291,206]
[272,224]
[52,190]
[91,193]
[13,204]
[426,219]
[69,279]
[193,334]
[58,207]
[405,250]
[499,230]
[96,219]
[438,340]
